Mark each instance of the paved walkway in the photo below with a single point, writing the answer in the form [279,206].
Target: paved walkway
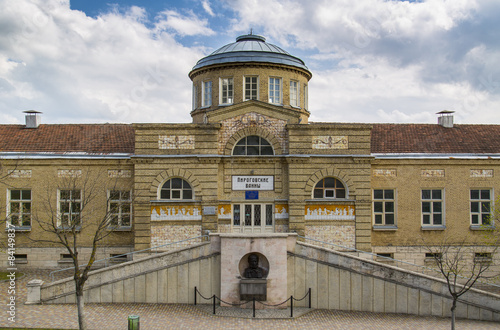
[178,316]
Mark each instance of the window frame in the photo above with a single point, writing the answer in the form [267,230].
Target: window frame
[230,82]
[432,225]
[272,99]
[306,97]
[480,213]
[195,96]
[180,190]
[20,214]
[295,91]
[120,214]
[206,94]
[71,200]
[257,84]
[260,146]
[384,213]
[327,190]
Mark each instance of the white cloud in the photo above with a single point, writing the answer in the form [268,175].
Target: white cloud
[183,25]
[378,59]
[75,68]
[207,8]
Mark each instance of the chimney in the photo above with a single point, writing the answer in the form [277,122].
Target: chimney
[445,118]
[33,118]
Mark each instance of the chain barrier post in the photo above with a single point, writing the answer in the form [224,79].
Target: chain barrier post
[291,306]
[309,297]
[214,303]
[253,306]
[195,296]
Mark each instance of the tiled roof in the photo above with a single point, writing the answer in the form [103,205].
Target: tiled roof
[428,138]
[87,138]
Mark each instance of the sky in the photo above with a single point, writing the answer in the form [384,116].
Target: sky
[373,61]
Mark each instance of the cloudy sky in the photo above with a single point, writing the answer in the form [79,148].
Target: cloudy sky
[94,61]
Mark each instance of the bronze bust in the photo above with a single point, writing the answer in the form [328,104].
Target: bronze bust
[253,270]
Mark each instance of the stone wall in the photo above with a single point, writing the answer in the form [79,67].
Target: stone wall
[170,277]
[341,281]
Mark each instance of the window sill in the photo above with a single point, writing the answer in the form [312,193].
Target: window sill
[120,228]
[433,227]
[481,227]
[19,262]
[225,104]
[77,229]
[175,201]
[295,107]
[384,228]
[18,229]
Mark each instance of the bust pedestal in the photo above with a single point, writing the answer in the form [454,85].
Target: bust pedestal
[253,288]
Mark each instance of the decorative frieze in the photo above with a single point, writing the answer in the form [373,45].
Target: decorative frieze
[175,212]
[252,119]
[330,212]
[176,142]
[20,174]
[224,211]
[281,211]
[330,142]
[388,173]
[119,173]
[69,173]
[432,173]
[481,173]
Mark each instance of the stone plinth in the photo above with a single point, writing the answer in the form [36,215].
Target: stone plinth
[34,294]
[253,289]
[273,250]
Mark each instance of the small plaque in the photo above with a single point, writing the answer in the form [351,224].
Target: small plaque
[252,194]
[209,210]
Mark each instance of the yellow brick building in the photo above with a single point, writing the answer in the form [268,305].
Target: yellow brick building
[251,162]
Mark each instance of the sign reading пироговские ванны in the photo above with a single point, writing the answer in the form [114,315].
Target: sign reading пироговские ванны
[253,182]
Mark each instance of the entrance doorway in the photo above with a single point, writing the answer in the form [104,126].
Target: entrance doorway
[253,218]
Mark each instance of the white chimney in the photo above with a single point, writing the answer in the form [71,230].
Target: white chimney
[445,118]
[33,118]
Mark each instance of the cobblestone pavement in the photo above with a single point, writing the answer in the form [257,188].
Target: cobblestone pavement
[179,316]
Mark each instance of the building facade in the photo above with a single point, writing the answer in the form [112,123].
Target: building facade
[251,162]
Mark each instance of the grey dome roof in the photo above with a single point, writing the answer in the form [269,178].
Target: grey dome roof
[250,48]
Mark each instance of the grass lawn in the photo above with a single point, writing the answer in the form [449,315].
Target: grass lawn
[3,275]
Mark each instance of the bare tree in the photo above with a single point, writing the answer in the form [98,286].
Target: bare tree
[462,263]
[87,208]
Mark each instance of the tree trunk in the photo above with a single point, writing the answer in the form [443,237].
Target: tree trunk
[453,307]
[82,325]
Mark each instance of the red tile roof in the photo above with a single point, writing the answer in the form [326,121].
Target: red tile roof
[88,138]
[428,138]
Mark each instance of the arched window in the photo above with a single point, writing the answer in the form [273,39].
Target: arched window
[253,145]
[329,188]
[176,188]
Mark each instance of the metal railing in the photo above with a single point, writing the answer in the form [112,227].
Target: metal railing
[214,298]
[375,257]
[105,260]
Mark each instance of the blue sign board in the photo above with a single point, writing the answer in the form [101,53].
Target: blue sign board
[252,194]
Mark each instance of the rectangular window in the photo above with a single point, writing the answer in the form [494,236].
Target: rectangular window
[306,97]
[195,97]
[226,90]
[275,90]
[432,207]
[480,207]
[19,207]
[120,208]
[207,93]
[251,88]
[70,205]
[384,207]
[294,93]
